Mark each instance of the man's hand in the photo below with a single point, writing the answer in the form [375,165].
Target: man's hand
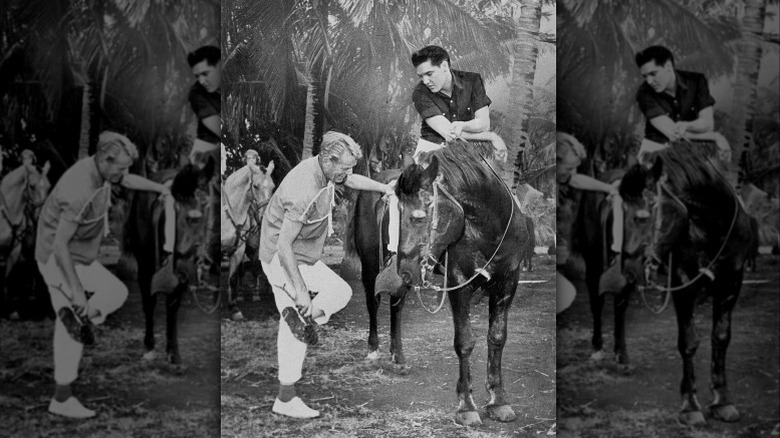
[303,303]
[79,302]
[390,188]
[680,129]
[456,129]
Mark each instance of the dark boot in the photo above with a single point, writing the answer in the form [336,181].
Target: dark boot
[164,280]
[79,332]
[612,280]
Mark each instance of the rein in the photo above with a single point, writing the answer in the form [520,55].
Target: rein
[427,266]
[662,186]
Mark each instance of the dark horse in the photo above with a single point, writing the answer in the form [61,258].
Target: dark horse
[704,228]
[144,238]
[592,239]
[458,209]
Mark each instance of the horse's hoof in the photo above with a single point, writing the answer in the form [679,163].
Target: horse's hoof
[597,356]
[401,369]
[727,413]
[503,413]
[174,358]
[373,356]
[468,418]
[692,418]
[625,369]
[237,316]
[149,356]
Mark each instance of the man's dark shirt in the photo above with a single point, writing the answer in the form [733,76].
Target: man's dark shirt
[468,95]
[205,104]
[692,95]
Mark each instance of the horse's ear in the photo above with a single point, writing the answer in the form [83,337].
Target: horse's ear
[46,167]
[657,168]
[432,171]
[270,167]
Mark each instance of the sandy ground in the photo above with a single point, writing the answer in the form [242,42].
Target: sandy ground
[423,402]
[596,399]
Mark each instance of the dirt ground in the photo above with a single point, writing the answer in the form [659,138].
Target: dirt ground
[595,399]
[133,397]
[364,399]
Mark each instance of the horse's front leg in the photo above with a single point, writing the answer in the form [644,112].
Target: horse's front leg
[687,344]
[460,301]
[621,305]
[500,301]
[725,293]
[596,301]
[234,280]
[148,302]
[396,342]
[372,305]
[172,304]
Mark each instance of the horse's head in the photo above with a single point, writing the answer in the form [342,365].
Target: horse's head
[431,219]
[261,188]
[37,189]
[637,221]
[192,209]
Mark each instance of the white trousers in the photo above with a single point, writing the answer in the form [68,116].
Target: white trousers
[109,295]
[333,294]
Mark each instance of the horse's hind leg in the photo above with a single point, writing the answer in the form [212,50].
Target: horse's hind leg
[234,280]
[148,302]
[372,305]
[396,343]
[497,408]
[687,344]
[725,293]
[172,304]
[596,302]
[460,301]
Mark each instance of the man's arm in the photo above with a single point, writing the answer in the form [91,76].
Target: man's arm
[66,229]
[480,123]
[704,123]
[585,182]
[137,182]
[298,290]
[360,182]
[213,123]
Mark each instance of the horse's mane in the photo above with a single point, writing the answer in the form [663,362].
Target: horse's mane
[461,164]
[689,168]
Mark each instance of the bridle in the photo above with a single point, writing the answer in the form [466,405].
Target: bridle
[651,263]
[429,260]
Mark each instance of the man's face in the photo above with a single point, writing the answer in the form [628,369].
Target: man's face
[338,171]
[434,77]
[567,167]
[114,171]
[659,77]
[209,76]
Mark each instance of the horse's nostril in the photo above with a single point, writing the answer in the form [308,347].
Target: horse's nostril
[406,277]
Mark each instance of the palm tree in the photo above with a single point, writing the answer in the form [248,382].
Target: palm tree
[597,77]
[357,58]
[110,50]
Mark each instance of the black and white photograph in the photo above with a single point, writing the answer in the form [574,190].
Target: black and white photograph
[667,219]
[109,253]
[388,209]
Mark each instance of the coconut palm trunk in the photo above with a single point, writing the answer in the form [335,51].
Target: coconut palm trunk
[748,66]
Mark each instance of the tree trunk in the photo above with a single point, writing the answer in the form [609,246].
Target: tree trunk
[85,120]
[308,127]
[524,53]
[748,66]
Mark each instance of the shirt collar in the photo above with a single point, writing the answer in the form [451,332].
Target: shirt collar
[319,175]
[456,82]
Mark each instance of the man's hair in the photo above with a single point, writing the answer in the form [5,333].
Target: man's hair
[112,144]
[566,144]
[435,54]
[210,54]
[335,143]
[657,54]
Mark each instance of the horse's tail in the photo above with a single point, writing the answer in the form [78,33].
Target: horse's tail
[130,228]
[350,246]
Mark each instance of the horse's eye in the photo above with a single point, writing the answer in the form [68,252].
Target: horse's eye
[194,214]
[642,214]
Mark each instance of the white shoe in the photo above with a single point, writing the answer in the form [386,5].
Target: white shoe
[295,408]
[71,408]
